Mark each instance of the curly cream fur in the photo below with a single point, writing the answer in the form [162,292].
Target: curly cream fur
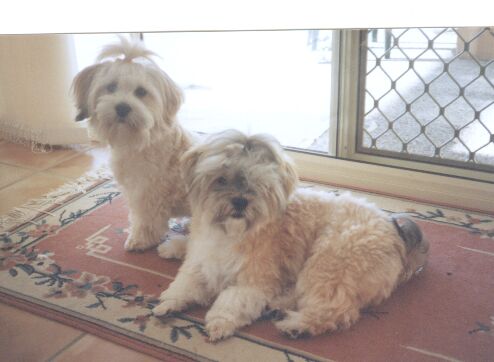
[146,144]
[319,258]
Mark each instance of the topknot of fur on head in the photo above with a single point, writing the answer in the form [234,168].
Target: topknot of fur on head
[238,182]
[127,51]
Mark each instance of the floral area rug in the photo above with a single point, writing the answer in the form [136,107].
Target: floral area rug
[62,256]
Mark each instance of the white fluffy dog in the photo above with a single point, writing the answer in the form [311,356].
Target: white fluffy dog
[256,243]
[131,105]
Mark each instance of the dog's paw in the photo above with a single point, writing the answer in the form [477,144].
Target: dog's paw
[133,244]
[291,326]
[219,328]
[168,307]
[173,249]
[296,334]
[273,314]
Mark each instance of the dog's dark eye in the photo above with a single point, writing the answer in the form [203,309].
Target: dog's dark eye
[112,87]
[140,92]
[221,181]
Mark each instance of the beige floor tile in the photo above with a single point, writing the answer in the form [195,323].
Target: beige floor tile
[85,162]
[94,349]
[21,155]
[27,337]
[28,188]
[10,174]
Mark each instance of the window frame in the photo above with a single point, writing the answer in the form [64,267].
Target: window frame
[351,112]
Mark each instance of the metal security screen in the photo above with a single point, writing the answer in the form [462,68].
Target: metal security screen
[429,95]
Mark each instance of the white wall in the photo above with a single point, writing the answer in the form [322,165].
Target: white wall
[36,73]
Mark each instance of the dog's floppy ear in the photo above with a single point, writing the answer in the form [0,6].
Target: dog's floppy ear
[80,88]
[274,152]
[172,96]
[188,163]
[289,175]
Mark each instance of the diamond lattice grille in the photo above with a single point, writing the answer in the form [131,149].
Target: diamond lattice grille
[429,95]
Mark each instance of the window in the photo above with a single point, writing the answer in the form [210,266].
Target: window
[419,99]
[429,95]
[278,82]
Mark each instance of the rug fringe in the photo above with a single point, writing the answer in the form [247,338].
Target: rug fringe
[26,212]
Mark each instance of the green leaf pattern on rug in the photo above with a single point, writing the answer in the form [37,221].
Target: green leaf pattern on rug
[484,227]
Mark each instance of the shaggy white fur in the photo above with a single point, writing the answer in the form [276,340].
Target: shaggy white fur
[131,105]
[258,244]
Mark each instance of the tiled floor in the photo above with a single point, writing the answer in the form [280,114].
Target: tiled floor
[26,337]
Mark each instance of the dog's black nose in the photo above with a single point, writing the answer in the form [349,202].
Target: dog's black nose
[239,203]
[123,109]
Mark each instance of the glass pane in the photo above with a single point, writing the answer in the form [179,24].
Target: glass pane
[430,93]
[277,82]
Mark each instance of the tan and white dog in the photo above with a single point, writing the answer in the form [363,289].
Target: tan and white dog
[256,243]
[131,105]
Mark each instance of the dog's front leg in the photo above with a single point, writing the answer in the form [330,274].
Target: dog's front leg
[187,288]
[146,230]
[235,307]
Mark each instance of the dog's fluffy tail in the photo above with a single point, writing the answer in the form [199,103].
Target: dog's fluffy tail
[417,246]
[129,49]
